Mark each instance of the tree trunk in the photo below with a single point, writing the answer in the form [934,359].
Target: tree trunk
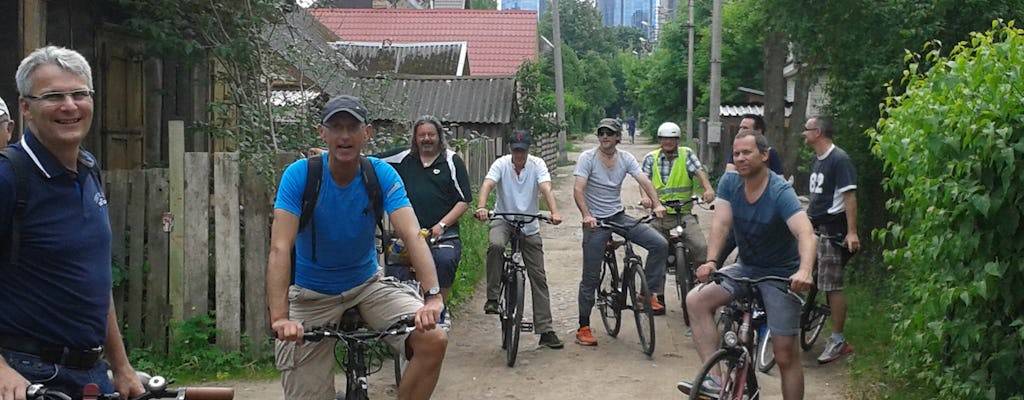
[801,88]
[775,52]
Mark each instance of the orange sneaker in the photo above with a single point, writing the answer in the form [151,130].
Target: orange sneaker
[656,306]
[584,337]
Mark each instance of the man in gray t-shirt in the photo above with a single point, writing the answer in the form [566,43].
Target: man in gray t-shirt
[598,193]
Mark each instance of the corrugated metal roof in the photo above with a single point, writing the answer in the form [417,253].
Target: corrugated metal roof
[303,42]
[450,4]
[739,110]
[475,99]
[499,41]
[438,58]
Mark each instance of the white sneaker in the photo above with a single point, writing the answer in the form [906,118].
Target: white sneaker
[834,350]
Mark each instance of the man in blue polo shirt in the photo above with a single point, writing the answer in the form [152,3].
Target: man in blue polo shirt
[56,310]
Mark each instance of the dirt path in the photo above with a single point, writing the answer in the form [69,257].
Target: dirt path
[474,367]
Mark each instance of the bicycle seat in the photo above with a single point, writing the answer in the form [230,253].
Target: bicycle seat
[613,244]
[351,320]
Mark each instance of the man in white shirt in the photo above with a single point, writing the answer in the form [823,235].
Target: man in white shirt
[519,177]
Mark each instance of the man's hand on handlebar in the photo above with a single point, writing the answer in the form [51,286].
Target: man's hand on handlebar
[646,202]
[289,330]
[428,316]
[556,218]
[481,214]
[704,271]
[708,196]
[590,222]
[126,382]
[659,211]
[800,281]
[12,384]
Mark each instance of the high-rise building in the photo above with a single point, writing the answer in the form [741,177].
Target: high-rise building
[540,6]
[640,14]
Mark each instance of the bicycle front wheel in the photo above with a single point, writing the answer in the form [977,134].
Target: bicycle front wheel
[683,280]
[504,306]
[765,352]
[736,377]
[609,301]
[640,296]
[516,299]
[812,319]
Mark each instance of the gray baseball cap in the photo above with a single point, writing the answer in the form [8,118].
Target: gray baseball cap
[346,103]
[610,123]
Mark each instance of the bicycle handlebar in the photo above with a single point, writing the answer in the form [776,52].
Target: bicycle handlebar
[605,223]
[507,217]
[156,388]
[679,204]
[404,325]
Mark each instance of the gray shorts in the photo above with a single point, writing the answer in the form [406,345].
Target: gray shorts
[782,309]
[306,370]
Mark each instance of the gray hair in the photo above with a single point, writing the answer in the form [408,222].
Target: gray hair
[825,124]
[760,140]
[67,59]
[442,143]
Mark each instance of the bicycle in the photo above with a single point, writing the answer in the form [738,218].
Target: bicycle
[357,337]
[815,310]
[735,359]
[615,289]
[156,388]
[513,285]
[679,255]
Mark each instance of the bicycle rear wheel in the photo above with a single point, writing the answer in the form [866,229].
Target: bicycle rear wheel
[812,319]
[736,377]
[609,299]
[516,298]
[765,352]
[643,313]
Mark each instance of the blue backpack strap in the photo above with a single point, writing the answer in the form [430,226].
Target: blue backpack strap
[18,164]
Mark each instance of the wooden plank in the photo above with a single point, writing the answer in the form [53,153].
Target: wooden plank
[227,253]
[197,234]
[117,207]
[135,223]
[176,198]
[156,314]
[257,208]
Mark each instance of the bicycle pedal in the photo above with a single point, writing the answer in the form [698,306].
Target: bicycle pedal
[526,327]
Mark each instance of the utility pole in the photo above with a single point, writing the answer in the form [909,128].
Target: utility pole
[689,84]
[556,27]
[714,119]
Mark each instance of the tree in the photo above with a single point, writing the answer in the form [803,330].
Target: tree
[951,144]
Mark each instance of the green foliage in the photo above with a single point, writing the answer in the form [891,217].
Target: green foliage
[193,355]
[483,5]
[951,145]
[473,263]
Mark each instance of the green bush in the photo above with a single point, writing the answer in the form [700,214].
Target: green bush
[951,146]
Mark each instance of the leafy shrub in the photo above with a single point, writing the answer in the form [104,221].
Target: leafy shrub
[952,145]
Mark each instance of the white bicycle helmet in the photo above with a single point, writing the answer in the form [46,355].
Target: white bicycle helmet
[669,130]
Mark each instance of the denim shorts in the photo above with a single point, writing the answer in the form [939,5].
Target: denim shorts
[782,309]
[64,379]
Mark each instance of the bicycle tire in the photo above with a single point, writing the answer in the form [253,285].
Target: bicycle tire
[765,358]
[399,368]
[737,376]
[609,301]
[519,287]
[812,320]
[643,313]
[683,280]
[503,310]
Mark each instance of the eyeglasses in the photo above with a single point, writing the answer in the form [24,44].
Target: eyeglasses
[811,129]
[606,132]
[58,97]
[337,127]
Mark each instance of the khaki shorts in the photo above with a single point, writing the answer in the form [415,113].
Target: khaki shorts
[307,370]
[831,259]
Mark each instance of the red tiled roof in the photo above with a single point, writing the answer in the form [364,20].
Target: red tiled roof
[498,41]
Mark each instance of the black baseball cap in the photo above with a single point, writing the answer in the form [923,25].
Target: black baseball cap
[346,103]
[520,140]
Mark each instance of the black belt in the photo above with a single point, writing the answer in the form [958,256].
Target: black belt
[71,358]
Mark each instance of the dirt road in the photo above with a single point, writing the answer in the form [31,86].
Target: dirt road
[474,367]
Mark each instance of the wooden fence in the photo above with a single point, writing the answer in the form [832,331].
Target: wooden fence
[198,227]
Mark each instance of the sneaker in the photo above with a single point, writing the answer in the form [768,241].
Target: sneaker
[656,306]
[710,388]
[584,337]
[491,307]
[551,340]
[689,332]
[834,350]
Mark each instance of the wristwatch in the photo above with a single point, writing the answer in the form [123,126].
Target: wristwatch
[434,291]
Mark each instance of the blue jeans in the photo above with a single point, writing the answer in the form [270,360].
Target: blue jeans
[593,252]
[59,377]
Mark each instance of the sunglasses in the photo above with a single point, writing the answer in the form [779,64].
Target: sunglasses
[606,132]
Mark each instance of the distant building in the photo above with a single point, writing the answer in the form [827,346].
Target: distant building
[541,6]
[640,14]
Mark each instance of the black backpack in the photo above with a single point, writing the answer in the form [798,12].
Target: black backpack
[311,194]
[21,166]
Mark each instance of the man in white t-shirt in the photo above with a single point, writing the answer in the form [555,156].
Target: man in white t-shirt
[597,190]
[519,177]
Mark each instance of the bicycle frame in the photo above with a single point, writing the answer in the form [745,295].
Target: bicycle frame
[633,273]
[513,281]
